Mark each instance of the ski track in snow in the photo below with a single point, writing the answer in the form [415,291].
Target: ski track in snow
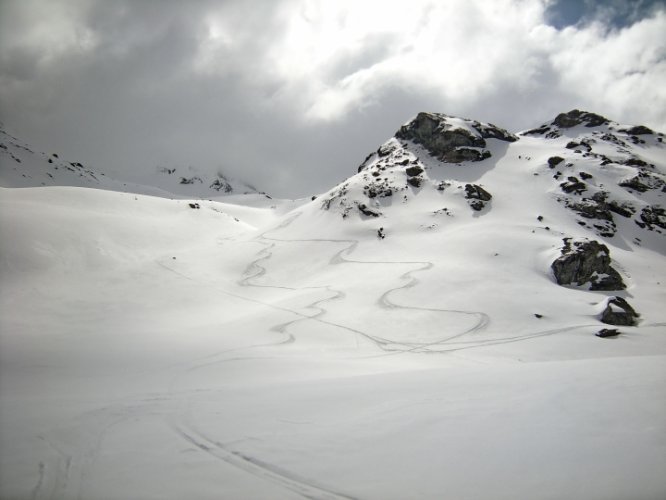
[184,427]
[341,257]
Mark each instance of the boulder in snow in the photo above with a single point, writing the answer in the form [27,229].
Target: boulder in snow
[584,262]
[619,312]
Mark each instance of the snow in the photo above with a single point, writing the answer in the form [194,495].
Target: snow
[258,348]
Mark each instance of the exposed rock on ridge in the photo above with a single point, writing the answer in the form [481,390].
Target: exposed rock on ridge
[450,139]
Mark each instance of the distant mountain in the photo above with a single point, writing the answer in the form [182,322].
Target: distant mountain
[21,165]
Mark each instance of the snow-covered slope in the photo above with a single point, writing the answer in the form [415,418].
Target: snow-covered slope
[21,165]
[403,335]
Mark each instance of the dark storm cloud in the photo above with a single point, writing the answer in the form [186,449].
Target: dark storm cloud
[292,95]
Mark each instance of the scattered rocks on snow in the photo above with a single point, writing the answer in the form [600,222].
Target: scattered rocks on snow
[585,262]
[619,312]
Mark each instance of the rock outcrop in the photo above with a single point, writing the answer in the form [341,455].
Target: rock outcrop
[586,262]
[477,196]
[618,312]
[452,140]
[577,117]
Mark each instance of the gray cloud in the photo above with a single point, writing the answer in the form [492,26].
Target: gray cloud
[292,95]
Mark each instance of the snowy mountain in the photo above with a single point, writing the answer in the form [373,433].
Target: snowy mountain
[22,166]
[471,314]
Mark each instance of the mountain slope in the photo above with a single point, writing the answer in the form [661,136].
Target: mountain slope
[359,345]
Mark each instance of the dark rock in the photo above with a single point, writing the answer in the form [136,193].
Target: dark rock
[653,216]
[385,150]
[191,180]
[591,209]
[643,181]
[635,162]
[585,175]
[584,262]
[217,185]
[477,196]
[553,161]
[436,135]
[413,171]
[414,181]
[538,131]
[473,191]
[635,184]
[623,209]
[366,211]
[619,312]
[572,145]
[638,130]
[450,144]
[461,155]
[573,185]
[194,206]
[608,332]
[577,117]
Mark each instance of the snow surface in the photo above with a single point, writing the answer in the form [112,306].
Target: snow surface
[256,348]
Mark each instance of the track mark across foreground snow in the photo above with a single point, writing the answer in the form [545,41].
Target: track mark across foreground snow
[256,467]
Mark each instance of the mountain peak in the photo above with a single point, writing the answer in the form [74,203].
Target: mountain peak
[451,139]
[577,117]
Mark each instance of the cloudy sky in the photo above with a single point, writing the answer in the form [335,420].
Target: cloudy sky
[292,94]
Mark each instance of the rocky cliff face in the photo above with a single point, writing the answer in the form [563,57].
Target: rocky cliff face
[450,139]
